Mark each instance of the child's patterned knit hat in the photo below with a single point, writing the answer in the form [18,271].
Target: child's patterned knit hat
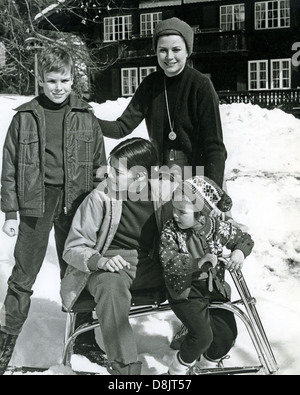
[206,195]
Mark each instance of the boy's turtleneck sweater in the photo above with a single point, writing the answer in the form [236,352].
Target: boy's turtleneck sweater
[54,116]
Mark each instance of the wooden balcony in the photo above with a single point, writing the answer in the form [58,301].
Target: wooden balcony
[218,41]
[136,47]
[206,42]
[287,100]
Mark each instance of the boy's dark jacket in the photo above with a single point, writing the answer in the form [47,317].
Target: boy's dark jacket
[23,170]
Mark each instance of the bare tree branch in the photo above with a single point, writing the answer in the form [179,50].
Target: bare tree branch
[17,24]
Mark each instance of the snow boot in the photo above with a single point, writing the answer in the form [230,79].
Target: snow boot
[86,344]
[178,367]
[119,369]
[218,362]
[91,351]
[7,345]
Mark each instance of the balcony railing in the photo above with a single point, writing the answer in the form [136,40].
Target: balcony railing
[218,41]
[207,41]
[136,47]
[288,100]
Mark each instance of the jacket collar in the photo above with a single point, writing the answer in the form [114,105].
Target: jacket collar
[75,104]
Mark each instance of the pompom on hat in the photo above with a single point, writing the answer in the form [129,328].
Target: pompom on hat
[177,27]
[205,194]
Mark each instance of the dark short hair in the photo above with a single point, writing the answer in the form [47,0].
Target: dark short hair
[55,59]
[138,152]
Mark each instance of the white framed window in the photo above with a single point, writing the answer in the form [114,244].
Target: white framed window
[149,22]
[145,71]
[132,77]
[232,17]
[258,75]
[117,28]
[281,74]
[130,81]
[272,14]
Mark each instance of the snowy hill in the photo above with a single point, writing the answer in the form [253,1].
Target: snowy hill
[263,173]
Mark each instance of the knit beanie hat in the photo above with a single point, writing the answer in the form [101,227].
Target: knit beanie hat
[206,195]
[177,27]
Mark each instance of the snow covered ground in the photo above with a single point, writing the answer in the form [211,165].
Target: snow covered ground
[263,178]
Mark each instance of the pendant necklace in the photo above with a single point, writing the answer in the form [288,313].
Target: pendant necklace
[172,134]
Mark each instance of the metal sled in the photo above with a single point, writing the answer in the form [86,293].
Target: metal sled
[155,302]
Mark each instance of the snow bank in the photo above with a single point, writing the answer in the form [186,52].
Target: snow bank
[263,178]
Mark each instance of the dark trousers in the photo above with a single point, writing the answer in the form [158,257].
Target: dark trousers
[210,331]
[30,251]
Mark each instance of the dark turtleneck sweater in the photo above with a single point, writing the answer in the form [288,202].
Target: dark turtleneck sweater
[173,85]
[197,120]
[54,165]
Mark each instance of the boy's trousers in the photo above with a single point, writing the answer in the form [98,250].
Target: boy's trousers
[112,293]
[212,332]
[30,251]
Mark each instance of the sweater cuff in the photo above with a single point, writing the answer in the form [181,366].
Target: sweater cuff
[245,246]
[194,265]
[11,215]
[93,262]
[96,262]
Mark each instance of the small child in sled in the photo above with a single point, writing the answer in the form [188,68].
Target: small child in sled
[190,245]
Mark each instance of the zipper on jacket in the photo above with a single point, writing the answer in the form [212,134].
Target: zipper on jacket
[42,158]
[68,110]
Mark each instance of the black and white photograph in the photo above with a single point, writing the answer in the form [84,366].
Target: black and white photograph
[150,189]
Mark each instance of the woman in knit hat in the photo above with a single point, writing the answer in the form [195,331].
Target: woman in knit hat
[180,106]
[190,245]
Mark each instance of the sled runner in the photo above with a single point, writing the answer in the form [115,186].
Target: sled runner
[11,370]
[154,301]
[252,322]
[19,370]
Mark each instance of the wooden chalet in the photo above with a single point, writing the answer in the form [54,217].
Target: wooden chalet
[246,47]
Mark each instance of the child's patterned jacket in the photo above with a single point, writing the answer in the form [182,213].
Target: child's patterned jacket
[181,251]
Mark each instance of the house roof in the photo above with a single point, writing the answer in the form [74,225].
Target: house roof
[142,4]
[159,3]
[198,1]
[169,3]
[49,9]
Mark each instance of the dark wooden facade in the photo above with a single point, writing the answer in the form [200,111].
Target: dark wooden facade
[222,53]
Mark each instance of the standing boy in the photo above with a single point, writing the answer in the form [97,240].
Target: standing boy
[51,154]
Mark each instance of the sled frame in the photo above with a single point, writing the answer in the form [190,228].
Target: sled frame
[248,315]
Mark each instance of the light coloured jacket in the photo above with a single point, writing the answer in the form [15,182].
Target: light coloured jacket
[93,229]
